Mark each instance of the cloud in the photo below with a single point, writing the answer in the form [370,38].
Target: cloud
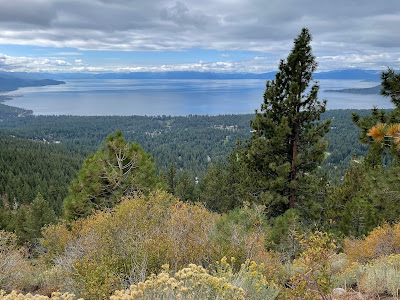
[40,64]
[68,53]
[349,30]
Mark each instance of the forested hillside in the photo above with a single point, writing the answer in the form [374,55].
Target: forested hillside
[31,167]
[190,143]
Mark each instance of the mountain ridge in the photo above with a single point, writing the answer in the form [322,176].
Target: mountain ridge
[10,83]
[350,74]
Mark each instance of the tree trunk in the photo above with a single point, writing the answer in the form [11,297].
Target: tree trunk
[293,169]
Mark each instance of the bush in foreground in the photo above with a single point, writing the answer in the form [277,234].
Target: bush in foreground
[195,282]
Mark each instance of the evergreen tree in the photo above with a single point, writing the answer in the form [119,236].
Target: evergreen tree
[7,219]
[20,227]
[367,197]
[391,86]
[214,189]
[185,188]
[171,179]
[116,170]
[39,214]
[374,128]
[287,142]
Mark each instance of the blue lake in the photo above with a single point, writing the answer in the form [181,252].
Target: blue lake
[172,97]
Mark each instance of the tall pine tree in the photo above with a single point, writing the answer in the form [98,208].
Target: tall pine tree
[288,141]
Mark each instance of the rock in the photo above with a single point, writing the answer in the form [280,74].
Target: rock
[338,292]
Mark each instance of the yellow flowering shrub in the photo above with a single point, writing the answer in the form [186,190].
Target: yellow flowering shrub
[383,240]
[54,296]
[195,282]
[250,277]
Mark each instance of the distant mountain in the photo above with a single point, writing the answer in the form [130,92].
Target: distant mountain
[10,82]
[372,90]
[354,74]
[163,75]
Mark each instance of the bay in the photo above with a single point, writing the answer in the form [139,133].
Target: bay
[172,97]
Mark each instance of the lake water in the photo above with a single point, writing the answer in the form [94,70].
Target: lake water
[172,97]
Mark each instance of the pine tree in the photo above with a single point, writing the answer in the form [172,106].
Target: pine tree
[116,170]
[171,180]
[287,142]
[214,189]
[20,227]
[381,128]
[391,86]
[185,188]
[39,214]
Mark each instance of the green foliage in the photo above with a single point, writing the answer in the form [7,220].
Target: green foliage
[185,188]
[367,197]
[391,86]
[20,224]
[171,179]
[38,215]
[31,167]
[217,188]
[117,170]
[184,141]
[10,113]
[287,142]
[378,149]
[283,234]
[312,277]
[242,233]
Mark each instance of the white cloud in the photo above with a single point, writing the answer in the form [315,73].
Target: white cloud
[29,64]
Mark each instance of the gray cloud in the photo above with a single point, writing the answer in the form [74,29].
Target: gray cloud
[346,32]
[17,14]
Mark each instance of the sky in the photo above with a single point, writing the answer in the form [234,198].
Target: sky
[209,35]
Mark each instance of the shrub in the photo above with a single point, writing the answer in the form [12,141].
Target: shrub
[381,276]
[195,282]
[312,270]
[115,249]
[14,268]
[242,233]
[55,296]
[383,240]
